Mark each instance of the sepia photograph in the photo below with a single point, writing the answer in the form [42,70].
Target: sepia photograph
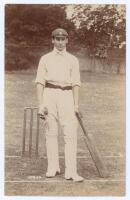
[64,100]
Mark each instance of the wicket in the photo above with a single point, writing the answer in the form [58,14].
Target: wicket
[31,110]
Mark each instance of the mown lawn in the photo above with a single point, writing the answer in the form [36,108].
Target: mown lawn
[102,103]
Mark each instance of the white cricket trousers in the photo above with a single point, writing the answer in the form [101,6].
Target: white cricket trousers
[60,105]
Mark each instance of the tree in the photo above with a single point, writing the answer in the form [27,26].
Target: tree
[98,24]
[31,26]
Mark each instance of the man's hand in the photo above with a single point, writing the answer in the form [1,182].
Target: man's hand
[76,109]
[77,112]
[42,112]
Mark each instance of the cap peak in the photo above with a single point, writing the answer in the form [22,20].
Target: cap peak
[59,32]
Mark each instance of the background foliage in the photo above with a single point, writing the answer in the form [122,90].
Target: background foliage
[94,30]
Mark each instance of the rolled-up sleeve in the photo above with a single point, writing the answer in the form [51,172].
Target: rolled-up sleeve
[75,73]
[41,71]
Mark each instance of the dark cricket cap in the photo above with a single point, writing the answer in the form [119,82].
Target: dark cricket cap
[59,32]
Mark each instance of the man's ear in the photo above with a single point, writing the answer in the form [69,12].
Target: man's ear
[67,41]
[52,40]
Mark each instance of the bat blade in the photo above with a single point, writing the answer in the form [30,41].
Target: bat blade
[102,170]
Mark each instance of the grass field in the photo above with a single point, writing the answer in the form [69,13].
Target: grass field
[102,103]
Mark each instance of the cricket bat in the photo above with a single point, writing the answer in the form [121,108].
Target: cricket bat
[102,170]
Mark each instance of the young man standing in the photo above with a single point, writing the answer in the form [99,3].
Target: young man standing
[58,82]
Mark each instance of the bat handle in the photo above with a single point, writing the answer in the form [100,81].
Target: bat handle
[79,115]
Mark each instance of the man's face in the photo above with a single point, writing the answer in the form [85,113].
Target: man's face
[60,42]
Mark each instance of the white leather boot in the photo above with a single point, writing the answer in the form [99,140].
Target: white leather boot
[52,156]
[71,160]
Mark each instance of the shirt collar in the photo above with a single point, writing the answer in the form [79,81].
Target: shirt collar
[59,52]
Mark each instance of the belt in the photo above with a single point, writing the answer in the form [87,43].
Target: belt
[50,85]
